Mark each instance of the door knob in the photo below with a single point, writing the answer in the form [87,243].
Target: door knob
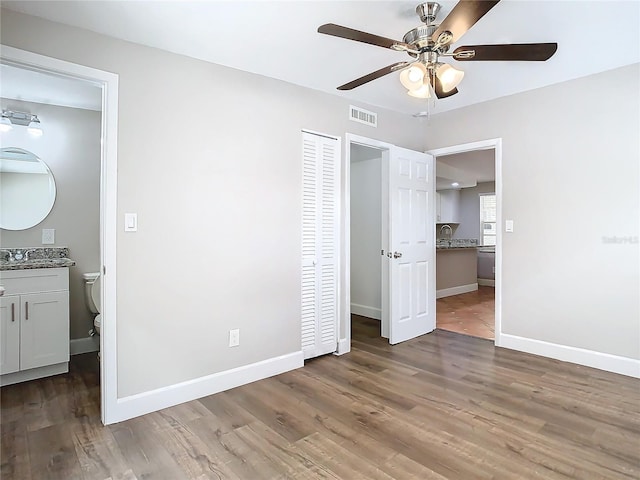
[397,255]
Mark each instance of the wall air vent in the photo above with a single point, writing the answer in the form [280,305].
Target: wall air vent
[363,116]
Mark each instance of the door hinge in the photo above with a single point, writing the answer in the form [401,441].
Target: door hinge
[382,252]
[104,270]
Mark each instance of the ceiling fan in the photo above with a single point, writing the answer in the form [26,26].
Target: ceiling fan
[431,41]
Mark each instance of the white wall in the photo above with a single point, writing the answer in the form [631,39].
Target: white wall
[469,213]
[70,147]
[570,180]
[210,159]
[366,237]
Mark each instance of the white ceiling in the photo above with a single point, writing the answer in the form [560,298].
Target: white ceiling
[279,40]
[478,164]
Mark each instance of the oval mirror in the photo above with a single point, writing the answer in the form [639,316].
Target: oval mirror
[27,189]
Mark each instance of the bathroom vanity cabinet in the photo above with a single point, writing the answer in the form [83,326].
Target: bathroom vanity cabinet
[34,324]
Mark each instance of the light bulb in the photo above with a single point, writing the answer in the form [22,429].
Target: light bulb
[412,77]
[34,128]
[449,77]
[5,125]
[423,92]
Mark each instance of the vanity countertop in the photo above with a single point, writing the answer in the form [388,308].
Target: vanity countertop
[36,263]
[35,257]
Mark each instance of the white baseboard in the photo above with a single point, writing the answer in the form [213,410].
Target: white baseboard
[487,282]
[84,345]
[147,402]
[588,358]
[344,346]
[365,311]
[447,292]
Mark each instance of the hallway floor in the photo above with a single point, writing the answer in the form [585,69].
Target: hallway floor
[470,313]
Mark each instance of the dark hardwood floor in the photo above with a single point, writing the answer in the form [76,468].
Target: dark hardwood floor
[442,406]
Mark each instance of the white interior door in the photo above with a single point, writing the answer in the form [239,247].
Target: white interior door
[411,245]
[320,243]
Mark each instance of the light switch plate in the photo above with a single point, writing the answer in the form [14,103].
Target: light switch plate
[234,337]
[508,225]
[130,222]
[48,236]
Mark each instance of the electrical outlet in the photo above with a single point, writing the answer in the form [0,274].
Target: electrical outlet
[234,337]
[48,236]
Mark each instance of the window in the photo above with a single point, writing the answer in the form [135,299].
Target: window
[488,229]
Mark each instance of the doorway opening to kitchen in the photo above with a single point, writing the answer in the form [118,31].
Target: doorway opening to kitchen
[468,240]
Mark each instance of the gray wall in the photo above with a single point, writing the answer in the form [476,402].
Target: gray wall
[366,234]
[70,147]
[570,181]
[470,210]
[215,177]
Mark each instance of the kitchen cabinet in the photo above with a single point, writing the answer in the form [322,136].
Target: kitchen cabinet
[34,323]
[448,206]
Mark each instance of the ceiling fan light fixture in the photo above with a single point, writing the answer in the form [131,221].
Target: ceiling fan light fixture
[412,78]
[449,77]
[423,92]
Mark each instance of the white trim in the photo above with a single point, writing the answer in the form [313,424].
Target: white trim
[581,356]
[366,311]
[487,282]
[448,292]
[151,401]
[108,204]
[344,344]
[496,144]
[84,345]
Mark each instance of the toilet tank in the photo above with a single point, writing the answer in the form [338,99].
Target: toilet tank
[90,281]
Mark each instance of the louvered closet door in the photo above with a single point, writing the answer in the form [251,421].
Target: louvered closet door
[320,253]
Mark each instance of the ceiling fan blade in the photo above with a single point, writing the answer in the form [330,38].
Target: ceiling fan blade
[357,35]
[437,87]
[373,75]
[463,16]
[531,52]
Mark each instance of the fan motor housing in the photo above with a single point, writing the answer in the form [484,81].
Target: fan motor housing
[420,37]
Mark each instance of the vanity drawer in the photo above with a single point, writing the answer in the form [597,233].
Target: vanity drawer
[17,282]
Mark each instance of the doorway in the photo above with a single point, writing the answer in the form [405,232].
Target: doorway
[469,239]
[108,84]
[405,254]
[367,262]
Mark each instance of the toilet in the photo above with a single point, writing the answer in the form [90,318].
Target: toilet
[92,297]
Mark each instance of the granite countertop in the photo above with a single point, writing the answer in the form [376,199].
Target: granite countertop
[38,257]
[36,263]
[457,244]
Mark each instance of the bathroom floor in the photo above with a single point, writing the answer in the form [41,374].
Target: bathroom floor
[470,313]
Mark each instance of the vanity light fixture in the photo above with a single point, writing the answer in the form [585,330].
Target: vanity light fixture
[11,118]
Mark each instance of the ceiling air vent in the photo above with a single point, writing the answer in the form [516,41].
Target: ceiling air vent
[363,116]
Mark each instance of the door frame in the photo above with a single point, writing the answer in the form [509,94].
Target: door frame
[344,286]
[496,145]
[108,82]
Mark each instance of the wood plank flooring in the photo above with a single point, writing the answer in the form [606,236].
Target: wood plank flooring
[471,313]
[442,406]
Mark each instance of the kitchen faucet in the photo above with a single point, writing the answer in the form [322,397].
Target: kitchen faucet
[448,227]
